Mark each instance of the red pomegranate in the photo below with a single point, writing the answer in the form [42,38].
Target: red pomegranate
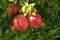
[35,20]
[13,10]
[20,23]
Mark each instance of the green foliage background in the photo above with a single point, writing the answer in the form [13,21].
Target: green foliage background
[48,9]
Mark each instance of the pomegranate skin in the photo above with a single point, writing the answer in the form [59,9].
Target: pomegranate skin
[13,10]
[14,5]
[35,21]
[20,23]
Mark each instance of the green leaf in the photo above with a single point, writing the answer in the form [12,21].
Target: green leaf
[23,36]
[7,31]
[57,36]
[20,2]
[4,14]
[3,1]
[0,32]
[1,5]
[1,38]
[51,32]
[40,38]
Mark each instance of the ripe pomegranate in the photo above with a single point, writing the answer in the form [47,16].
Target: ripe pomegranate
[35,20]
[14,5]
[13,10]
[20,23]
